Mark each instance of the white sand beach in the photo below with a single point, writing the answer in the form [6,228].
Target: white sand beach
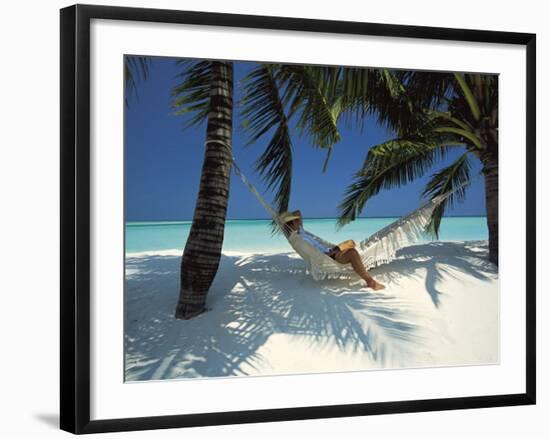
[267,316]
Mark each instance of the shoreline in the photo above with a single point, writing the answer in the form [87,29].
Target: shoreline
[257,236]
[168,222]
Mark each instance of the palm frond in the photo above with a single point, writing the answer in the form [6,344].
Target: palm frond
[192,94]
[462,135]
[263,112]
[327,159]
[468,94]
[136,68]
[456,178]
[478,106]
[377,92]
[427,89]
[393,105]
[446,127]
[390,164]
[448,116]
[308,91]
[353,91]
[393,85]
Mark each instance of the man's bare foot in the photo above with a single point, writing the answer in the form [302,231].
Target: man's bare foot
[375,285]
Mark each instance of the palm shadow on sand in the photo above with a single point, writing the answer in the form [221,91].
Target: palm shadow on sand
[438,258]
[247,306]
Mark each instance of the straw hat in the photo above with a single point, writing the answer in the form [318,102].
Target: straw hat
[285,217]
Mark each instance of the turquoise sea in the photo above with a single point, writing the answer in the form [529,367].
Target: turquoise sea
[256,236]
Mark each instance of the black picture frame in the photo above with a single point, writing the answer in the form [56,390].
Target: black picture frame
[75,217]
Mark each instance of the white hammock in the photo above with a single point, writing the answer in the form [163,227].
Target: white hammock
[377,249]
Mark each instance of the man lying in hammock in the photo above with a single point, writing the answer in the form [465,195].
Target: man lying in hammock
[343,253]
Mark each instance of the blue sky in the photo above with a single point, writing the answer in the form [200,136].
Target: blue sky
[163,163]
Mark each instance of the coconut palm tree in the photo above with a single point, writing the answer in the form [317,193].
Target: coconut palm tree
[206,90]
[432,113]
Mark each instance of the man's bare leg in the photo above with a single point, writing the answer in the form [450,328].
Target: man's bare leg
[353,257]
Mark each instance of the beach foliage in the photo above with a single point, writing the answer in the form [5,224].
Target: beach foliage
[311,101]
[136,68]
[431,112]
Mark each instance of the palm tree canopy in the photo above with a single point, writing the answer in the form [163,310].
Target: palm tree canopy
[430,113]
[280,98]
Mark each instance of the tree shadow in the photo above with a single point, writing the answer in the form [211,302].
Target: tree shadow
[257,296]
[438,259]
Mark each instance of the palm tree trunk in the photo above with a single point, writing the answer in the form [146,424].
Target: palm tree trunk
[490,172]
[202,252]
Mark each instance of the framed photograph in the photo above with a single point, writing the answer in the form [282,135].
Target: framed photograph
[272,218]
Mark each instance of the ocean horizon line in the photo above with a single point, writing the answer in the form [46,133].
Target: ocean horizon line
[269,219]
